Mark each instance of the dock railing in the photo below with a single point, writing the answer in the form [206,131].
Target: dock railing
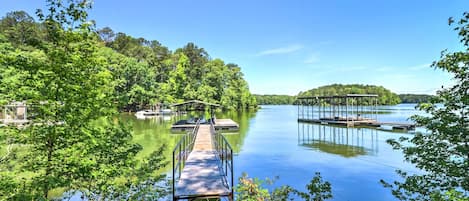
[181,152]
[225,153]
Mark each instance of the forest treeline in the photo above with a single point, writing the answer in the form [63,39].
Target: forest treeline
[144,72]
[385,95]
[274,99]
[415,98]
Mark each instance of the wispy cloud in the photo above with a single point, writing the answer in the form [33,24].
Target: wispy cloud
[393,68]
[420,67]
[313,58]
[281,50]
[349,69]
[383,69]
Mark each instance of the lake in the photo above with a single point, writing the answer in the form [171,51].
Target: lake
[272,143]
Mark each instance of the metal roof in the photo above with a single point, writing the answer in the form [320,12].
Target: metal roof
[195,102]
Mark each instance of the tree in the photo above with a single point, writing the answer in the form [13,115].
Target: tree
[107,35]
[442,153]
[197,58]
[20,28]
[143,71]
[73,143]
[177,78]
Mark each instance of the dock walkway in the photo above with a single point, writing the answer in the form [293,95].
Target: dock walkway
[202,174]
[220,124]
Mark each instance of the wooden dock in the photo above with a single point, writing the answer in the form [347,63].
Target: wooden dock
[362,122]
[220,124]
[202,174]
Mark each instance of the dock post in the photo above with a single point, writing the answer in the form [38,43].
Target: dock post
[232,176]
[346,110]
[298,107]
[174,179]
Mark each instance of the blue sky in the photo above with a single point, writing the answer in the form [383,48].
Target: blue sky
[285,46]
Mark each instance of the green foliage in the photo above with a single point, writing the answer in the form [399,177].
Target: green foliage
[415,98]
[442,153]
[144,73]
[69,88]
[20,28]
[165,77]
[318,190]
[386,97]
[252,189]
[275,99]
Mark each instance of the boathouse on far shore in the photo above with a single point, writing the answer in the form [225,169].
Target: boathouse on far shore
[346,110]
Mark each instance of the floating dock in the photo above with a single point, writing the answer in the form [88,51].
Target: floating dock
[367,123]
[220,125]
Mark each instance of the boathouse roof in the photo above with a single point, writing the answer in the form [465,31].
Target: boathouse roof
[197,104]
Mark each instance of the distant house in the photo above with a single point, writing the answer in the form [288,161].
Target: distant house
[15,112]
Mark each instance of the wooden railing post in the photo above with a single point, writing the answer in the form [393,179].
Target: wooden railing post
[232,176]
[174,179]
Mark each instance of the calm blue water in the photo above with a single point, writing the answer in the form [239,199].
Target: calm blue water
[352,159]
[272,143]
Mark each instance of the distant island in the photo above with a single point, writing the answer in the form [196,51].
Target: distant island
[415,98]
[386,97]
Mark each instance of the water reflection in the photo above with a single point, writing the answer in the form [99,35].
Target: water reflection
[152,133]
[344,141]
[243,118]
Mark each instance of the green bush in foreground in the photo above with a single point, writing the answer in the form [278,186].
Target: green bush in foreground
[251,189]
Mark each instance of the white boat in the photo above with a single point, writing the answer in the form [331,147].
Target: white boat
[166,118]
[146,113]
[166,111]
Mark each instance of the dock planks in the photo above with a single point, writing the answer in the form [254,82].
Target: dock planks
[370,123]
[220,124]
[202,175]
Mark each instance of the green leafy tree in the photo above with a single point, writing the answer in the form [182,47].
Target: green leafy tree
[107,35]
[442,153]
[177,78]
[73,143]
[197,58]
[20,28]
[144,72]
